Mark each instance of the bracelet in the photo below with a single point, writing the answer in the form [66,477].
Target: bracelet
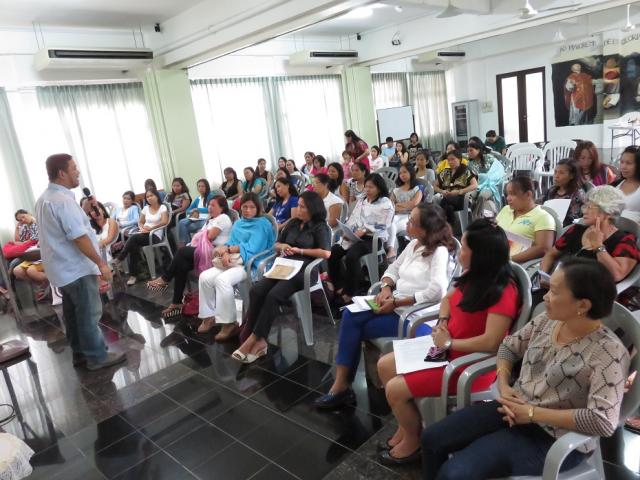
[531,411]
[394,302]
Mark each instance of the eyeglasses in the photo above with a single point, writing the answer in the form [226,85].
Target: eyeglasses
[589,207]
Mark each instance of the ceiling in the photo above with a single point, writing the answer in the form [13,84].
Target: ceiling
[90,13]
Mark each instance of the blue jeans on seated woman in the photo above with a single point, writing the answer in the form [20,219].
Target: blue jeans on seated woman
[187,227]
[356,327]
[484,446]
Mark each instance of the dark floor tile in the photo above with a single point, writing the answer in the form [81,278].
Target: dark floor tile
[273,472]
[172,426]
[270,438]
[102,434]
[312,456]
[280,364]
[244,379]
[168,376]
[357,467]
[236,462]
[157,467]
[312,374]
[149,410]
[214,402]
[281,394]
[118,400]
[122,455]
[243,418]
[190,388]
[54,460]
[198,446]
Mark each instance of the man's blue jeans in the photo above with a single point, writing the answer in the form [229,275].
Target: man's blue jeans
[187,227]
[82,309]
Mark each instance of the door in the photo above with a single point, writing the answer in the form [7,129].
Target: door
[522,106]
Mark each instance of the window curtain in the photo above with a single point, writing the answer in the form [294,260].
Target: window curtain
[243,119]
[105,128]
[235,123]
[310,115]
[426,92]
[15,188]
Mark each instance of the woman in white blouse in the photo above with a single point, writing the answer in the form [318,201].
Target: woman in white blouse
[332,202]
[373,213]
[154,215]
[404,197]
[418,275]
[629,184]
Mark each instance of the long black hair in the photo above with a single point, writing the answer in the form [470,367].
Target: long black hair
[635,151]
[94,224]
[354,138]
[412,175]
[315,206]
[572,166]
[287,183]
[207,191]
[171,195]
[478,144]
[335,184]
[461,168]
[490,271]
[381,185]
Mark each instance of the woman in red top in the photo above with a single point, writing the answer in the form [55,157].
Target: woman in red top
[474,317]
[357,148]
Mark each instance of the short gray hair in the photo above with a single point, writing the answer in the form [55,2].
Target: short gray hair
[608,199]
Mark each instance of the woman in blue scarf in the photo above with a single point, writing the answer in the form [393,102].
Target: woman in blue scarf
[252,234]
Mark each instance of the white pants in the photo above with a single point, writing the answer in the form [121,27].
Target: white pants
[215,291]
[399,224]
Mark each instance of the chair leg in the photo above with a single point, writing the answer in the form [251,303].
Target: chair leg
[327,307]
[150,255]
[302,302]
[597,461]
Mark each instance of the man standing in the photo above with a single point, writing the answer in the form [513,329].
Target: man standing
[578,95]
[70,255]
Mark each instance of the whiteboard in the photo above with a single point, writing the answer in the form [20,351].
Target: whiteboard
[395,122]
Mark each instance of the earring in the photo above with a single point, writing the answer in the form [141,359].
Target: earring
[579,313]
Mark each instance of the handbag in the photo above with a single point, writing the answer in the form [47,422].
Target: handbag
[235,260]
[13,250]
[203,251]
[191,305]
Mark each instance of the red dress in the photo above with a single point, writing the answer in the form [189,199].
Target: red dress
[428,382]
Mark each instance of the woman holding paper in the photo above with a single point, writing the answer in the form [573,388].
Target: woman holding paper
[419,275]
[250,235]
[304,238]
[566,187]
[474,317]
[527,221]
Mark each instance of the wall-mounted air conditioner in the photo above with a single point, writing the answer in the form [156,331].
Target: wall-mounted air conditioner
[440,56]
[92,58]
[324,57]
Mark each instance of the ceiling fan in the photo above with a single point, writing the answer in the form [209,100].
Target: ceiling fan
[528,11]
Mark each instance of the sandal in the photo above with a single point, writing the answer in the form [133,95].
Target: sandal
[227,334]
[156,287]
[247,358]
[206,329]
[171,311]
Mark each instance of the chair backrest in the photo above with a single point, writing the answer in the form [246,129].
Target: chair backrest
[517,146]
[557,150]
[390,174]
[558,222]
[233,215]
[524,287]
[525,158]
[628,225]
[627,327]
[454,268]
[344,212]
[111,207]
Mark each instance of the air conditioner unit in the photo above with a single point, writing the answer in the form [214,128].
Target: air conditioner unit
[323,57]
[92,58]
[440,57]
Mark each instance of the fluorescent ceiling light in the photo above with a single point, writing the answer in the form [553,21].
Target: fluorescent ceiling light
[360,12]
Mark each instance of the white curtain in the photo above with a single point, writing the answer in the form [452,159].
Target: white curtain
[234,128]
[15,189]
[389,90]
[310,115]
[426,92]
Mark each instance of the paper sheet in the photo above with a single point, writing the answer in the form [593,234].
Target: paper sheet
[410,354]
[517,243]
[284,269]
[360,304]
[560,206]
[348,233]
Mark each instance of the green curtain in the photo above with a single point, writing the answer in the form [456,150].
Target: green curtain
[15,189]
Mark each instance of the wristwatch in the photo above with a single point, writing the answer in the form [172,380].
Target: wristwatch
[447,344]
[600,249]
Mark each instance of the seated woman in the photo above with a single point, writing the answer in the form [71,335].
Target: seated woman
[308,163]
[338,185]
[404,197]
[254,184]
[400,157]
[197,213]
[319,163]
[356,184]
[474,317]
[372,214]
[565,186]
[26,227]
[250,235]
[304,238]
[261,171]
[512,435]
[154,215]
[27,231]
[218,229]
[629,182]
[128,215]
[178,198]
[332,202]
[528,221]
[280,173]
[150,184]
[106,229]
[597,238]
[444,163]
[423,170]
[377,161]
[453,183]
[301,179]
[592,171]
[418,275]
[490,174]
[232,187]
[286,202]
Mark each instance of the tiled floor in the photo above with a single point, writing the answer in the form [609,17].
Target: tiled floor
[181,408]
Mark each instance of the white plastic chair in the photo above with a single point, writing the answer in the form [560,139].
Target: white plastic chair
[149,250]
[553,152]
[525,159]
[389,174]
[623,323]
[517,146]
[371,261]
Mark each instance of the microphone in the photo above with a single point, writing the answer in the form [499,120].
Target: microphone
[87,193]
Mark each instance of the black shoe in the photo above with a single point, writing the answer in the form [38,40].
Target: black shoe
[331,401]
[79,359]
[385,458]
[113,358]
[383,445]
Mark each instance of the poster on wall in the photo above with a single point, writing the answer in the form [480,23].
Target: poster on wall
[630,73]
[576,76]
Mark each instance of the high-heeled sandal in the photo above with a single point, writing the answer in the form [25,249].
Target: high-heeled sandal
[203,329]
[247,358]
[171,312]
[155,287]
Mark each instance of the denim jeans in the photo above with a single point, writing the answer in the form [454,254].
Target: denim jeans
[187,226]
[82,309]
[483,446]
